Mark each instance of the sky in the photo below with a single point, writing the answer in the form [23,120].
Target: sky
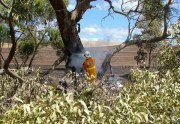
[112,29]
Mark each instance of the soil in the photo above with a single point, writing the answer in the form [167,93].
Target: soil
[121,63]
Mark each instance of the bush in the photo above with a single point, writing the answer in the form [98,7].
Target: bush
[151,98]
[168,58]
[26,48]
[14,93]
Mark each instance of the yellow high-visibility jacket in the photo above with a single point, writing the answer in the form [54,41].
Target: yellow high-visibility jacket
[90,67]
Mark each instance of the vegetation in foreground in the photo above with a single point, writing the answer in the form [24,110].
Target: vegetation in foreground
[151,97]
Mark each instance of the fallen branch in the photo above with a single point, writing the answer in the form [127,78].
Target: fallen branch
[55,64]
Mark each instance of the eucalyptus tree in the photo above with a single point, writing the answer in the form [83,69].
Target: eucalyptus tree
[8,15]
[161,10]
[67,21]
[39,16]
[174,31]
[150,25]
[15,11]
[4,37]
[19,15]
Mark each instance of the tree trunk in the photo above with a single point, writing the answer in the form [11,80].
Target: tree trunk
[74,48]
[0,56]
[107,61]
[5,68]
[149,61]
[67,22]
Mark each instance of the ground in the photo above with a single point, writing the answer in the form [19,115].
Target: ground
[122,62]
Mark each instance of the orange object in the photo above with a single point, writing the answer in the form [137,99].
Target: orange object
[90,67]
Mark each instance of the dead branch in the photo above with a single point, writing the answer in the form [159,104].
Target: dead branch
[14,75]
[55,64]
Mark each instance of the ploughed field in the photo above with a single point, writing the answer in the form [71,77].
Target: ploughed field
[121,62]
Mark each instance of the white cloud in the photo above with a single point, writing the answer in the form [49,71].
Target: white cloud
[92,30]
[117,4]
[99,7]
[176,4]
[71,6]
[115,33]
[128,4]
[98,33]
[102,6]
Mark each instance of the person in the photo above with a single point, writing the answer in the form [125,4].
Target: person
[89,66]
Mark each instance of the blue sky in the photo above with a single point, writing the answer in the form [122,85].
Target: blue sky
[112,29]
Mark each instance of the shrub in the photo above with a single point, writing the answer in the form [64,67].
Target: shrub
[151,98]
[168,58]
[14,93]
[26,48]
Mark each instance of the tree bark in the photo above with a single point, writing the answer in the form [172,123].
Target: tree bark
[106,63]
[67,22]
[12,52]
[0,56]
[67,26]
[149,60]
[13,40]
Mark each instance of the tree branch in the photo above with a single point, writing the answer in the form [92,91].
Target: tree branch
[112,7]
[80,9]
[13,40]
[19,36]
[35,50]
[32,35]
[55,64]
[2,17]
[2,57]
[129,42]
[12,51]
[14,75]
[60,9]
[2,2]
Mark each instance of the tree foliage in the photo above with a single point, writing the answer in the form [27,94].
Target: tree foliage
[174,31]
[4,33]
[168,57]
[20,16]
[26,48]
[55,39]
[152,98]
